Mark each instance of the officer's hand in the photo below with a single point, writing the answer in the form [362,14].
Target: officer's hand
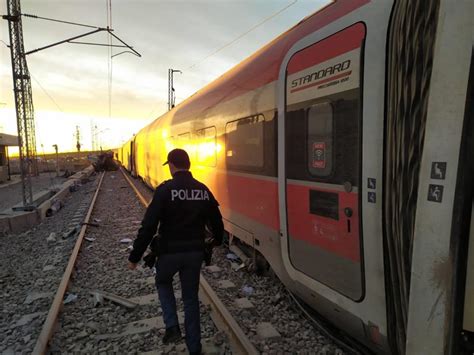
[132,266]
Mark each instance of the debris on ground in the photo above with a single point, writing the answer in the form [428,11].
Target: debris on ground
[232,256]
[51,238]
[105,162]
[56,205]
[70,233]
[70,298]
[247,290]
[97,298]
[114,298]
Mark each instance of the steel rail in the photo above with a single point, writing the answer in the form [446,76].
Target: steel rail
[220,315]
[138,193]
[224,320]
[48,326]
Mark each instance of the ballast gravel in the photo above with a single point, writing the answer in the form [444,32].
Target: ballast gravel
[95,325]
[271,304]
[31,269]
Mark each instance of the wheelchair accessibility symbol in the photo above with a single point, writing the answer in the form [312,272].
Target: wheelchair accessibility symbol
[435,193]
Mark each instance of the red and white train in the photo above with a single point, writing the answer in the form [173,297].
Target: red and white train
[343,152]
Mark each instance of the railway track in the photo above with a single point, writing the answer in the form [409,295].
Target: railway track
[101,307]
[240,344]
[32,265]
[109,308]
[267,319]
[48,327]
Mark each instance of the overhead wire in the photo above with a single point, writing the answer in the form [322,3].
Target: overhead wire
[110,55]
[232,42]
[60,21]
[243,34]
[52,182]
[46,93]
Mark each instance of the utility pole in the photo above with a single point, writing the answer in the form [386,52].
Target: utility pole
[8,164]
[171,91]
[92,136]
[78,139]
[55,146]
[23,102]
[23,93]
[96,138]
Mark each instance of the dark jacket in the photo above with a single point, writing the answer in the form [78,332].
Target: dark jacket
[182,207]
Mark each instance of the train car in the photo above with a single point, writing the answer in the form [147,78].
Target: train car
[125,155]
[343,153]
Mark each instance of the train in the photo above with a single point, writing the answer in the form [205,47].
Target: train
[343,153]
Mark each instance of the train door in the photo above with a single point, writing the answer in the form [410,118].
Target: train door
[323,161]
[131,157]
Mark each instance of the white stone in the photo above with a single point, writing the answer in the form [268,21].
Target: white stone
[148,280]
[52,238]
[147,299]
[226,284]
[266,330]
[244,303]
[140,326]
[28,318]
[36,296]
[213,268]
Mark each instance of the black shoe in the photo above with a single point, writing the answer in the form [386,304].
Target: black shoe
[199,352]
[172,335]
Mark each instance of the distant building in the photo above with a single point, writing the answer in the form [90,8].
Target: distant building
[6,140]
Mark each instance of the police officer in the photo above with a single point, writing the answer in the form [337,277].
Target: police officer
[182,207]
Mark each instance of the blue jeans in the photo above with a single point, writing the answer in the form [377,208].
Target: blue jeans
[188,265]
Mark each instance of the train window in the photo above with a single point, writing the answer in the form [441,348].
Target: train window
[245,143]
[320,139]
[206,146]
[183,141]
[183,137]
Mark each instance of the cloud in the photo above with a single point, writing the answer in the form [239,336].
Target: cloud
[169,34]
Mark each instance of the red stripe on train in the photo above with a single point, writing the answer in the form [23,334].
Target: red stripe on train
[257,199]
[339,43]
[326,233]
[253,198]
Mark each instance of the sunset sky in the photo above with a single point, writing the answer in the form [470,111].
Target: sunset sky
[70,82]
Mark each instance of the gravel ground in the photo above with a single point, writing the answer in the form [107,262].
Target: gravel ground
[102,265]
[272,304]
[33,267]
[30,266]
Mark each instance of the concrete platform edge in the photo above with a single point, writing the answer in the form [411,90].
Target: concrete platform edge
[23,221]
